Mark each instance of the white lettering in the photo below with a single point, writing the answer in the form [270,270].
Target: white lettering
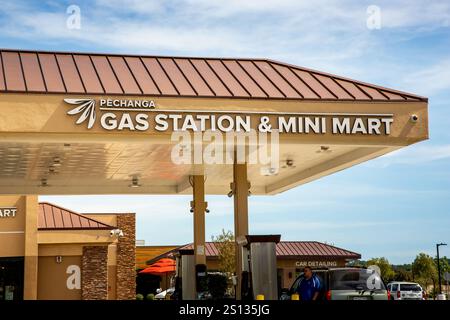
[108,121]
[358,126]
[142,123]
[74,280]
[161,122]
[287,126]
[341,127]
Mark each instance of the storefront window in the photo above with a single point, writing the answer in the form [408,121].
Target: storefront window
[11,278]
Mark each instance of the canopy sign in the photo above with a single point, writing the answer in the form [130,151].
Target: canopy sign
[141,115]
[8,212]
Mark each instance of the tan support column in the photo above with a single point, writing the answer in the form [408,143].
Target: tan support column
[241,188]
[31,249]
[199,207]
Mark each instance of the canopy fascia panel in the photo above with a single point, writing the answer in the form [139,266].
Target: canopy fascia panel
[66,108]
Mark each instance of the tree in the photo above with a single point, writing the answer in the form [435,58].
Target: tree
[403,275]
[424,270]
[387,273]
[357,263]
[227,251]
[445,266]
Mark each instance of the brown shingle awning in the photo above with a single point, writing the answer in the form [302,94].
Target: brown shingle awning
[82,73]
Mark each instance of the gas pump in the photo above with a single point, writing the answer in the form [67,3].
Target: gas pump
[201,285]
[259,276]
[185,275]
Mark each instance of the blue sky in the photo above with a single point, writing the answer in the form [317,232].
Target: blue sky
[395,206]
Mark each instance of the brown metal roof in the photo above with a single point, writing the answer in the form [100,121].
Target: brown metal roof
[82,73]
[292,249]
[52,217]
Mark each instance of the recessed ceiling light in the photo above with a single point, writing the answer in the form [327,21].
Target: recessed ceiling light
[56,162]
[44,183]
[134,183]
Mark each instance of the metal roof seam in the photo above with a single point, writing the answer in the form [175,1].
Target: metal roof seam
[289,85]
[184,76]
[23,73]
[305,83]
[96,73]
[167,75]
[268,79]
[79,74]
[253,79]
[358,88]
[53,216]
[352,252]
[132,75]
[382,93]
[342,87]
[115,75]
[287,81]
[235,78]
[151,77]
[44,216]
[32,71]
[200,75]
[62,218]
[60,73]
[290,248]
[220,79]
[3,71]
[79,220]
[373,86]
[324,85]
[71,220]
[42,73]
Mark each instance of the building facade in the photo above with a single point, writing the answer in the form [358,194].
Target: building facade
[52,253]
[292,256]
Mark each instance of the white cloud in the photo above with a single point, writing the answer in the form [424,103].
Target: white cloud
[302,225]
[301,30]
[430,79]
[413,155]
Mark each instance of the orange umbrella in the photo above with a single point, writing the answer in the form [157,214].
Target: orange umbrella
[162,266]
[158,270]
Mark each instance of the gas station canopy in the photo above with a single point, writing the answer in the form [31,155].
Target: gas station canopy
[75,123]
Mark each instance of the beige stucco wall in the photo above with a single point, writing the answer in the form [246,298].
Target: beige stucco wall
[12,229]
[44,278]
[53,278]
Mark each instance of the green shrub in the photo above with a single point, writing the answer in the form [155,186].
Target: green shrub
[150,296]
[139,297]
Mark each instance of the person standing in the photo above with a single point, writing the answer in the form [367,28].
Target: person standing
[310,286]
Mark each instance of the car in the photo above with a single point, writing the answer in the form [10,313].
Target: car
[345,283]
[402,290]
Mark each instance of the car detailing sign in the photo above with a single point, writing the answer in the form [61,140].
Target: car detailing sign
[8,212]
[316,263]
[142,115]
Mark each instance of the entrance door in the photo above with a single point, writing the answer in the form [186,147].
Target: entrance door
[11,278]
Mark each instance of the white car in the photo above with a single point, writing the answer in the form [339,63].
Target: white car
[162,295]
[405,291]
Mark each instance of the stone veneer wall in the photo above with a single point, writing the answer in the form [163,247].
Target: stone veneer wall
[94,273]
[126,257]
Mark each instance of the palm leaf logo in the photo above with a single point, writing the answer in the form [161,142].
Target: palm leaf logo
[85,107]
